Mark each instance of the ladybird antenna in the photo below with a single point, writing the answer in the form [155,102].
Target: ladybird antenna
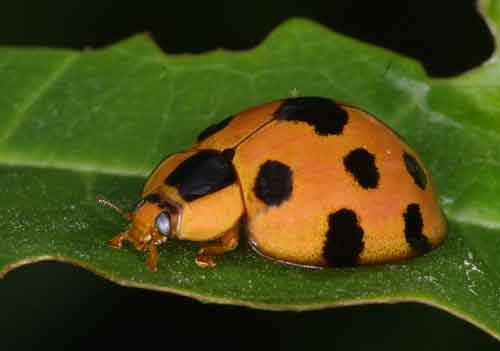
[101,200]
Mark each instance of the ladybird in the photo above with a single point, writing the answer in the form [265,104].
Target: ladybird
[309,182]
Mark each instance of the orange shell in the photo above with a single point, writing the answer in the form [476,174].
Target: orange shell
[298,229]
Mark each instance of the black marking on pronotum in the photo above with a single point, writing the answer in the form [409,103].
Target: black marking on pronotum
[344,239]
[156,198]
[413,229]
[214,128]
[361,164]
[327,117]
[416,172]
[153,198]
[203,173]
[274,183]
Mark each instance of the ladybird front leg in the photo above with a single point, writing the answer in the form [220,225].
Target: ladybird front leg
[117,241]
[227,242]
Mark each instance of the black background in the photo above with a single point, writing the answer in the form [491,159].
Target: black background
[447,36]
[56,306]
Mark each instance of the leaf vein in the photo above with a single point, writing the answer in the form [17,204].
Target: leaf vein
[22,112]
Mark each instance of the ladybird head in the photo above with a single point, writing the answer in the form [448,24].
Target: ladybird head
[151,222]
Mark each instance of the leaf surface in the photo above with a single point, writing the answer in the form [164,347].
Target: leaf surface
[75,125]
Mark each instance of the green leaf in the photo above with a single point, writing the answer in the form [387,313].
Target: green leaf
[75,125]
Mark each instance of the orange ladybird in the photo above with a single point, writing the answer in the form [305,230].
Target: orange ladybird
[310,181]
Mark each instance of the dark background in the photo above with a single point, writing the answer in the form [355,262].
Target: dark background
[56,306]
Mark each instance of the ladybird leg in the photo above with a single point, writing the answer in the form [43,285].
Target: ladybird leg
[152,262]
[227,242]
[117,241]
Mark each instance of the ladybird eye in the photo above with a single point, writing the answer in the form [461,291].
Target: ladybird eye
[138,204]
[162,223]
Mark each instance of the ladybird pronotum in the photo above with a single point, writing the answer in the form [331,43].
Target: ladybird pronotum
[311,181]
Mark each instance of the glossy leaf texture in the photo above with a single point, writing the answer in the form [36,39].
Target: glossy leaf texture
[76,125]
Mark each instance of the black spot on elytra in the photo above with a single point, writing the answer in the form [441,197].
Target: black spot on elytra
[361,164]
[323,114]
[214,128]
[344,239]
[413,229]
[416,172]
[203,173]
[228,154]
[274,182]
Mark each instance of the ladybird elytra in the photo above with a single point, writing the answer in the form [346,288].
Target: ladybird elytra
[314,183]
